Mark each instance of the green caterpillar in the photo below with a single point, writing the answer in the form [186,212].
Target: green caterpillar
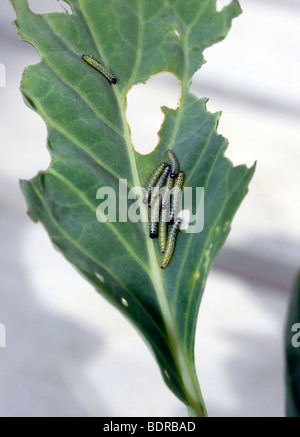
[163,229]
[154,217]
[175,196]
[152,182]
[167,191]
[99,67]
[170,243]
[174,163]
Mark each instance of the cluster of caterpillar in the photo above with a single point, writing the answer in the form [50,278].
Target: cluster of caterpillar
[163,193]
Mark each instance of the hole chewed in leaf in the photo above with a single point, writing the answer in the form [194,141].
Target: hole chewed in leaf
[124,302]
[144,113]
[100,277]
[221,4]
[43,7]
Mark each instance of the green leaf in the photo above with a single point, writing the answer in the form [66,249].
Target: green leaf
[292,347]
[90,146]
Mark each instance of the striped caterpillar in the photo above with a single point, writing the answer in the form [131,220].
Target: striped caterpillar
[99,67]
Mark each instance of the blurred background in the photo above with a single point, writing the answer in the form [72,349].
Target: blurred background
[69,352]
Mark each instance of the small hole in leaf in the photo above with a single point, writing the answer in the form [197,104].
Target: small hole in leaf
[100,277]
[143,109]
[43,7]
[177,33]
[166,373]
[124,302]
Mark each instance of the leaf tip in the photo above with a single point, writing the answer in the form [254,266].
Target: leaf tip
[21,6]
[235,5]
[253,167]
